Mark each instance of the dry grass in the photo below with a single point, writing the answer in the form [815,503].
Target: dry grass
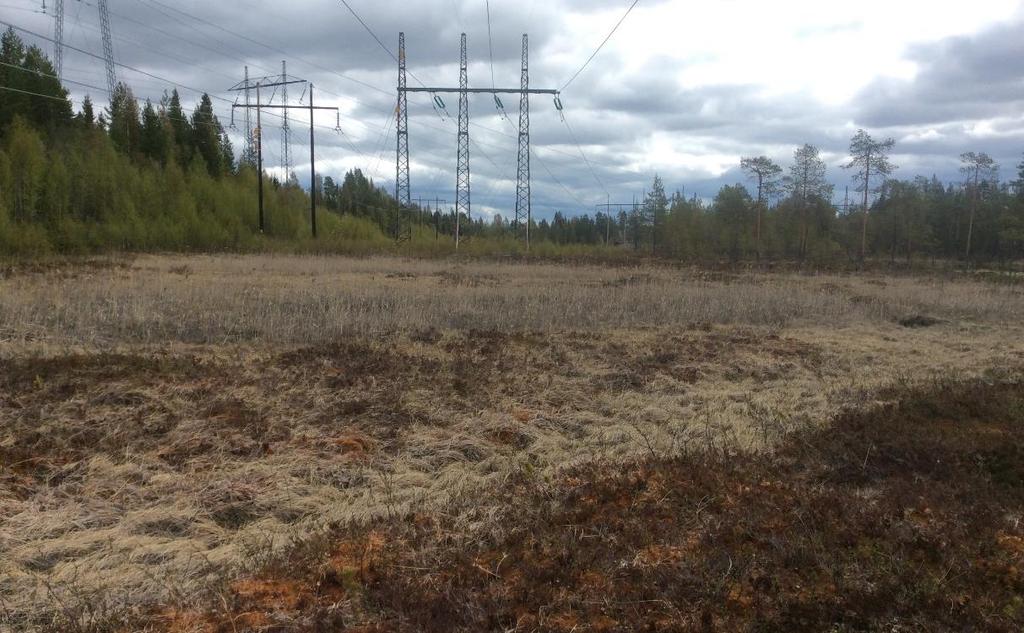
[169,425]
[891,519]
[305,300]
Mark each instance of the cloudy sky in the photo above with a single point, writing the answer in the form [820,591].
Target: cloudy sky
[683,89]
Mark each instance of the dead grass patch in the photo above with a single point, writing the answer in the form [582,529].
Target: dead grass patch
[891,518]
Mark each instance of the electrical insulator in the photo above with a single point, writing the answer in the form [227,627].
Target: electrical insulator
[438,101]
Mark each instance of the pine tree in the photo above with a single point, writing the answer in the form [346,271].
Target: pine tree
[766,172]
[977,169]
[806,184]
[870,158]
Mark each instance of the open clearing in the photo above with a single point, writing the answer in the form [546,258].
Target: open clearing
[228,443]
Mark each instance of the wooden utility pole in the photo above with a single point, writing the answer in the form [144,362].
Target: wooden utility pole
[270,82]
[312,166]
[259,155]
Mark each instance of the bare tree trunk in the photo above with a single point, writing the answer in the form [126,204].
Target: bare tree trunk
[757,232]
[864,227]
[970,223]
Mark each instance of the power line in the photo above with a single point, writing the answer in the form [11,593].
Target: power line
[34,94]
[17,8]
[153,49]
[39,73]
[377,39]
[116,63]
[605,41]
[552,175]
[274,48]
[583,155]
[133,69]
[191,27]
[369,30]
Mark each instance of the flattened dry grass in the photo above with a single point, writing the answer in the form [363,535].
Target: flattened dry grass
[170,426]
[305,300]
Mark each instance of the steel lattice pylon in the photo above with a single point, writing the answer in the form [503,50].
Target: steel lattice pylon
[58,37]
[250,146]
[401,227]
[523,213]
[462,200]
[108,45]
[402,192]
[286,131]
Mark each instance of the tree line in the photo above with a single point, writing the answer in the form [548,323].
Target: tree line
[141,175]
[155,176]
[788,213]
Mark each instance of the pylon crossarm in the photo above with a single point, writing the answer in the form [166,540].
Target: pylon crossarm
[516,91]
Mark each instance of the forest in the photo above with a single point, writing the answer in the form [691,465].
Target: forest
[143,176]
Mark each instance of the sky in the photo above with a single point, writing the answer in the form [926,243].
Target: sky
[682,89]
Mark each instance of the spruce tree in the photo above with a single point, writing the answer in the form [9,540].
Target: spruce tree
[178,122]
[206,137]
[155,143]
[123,115]
[86,118]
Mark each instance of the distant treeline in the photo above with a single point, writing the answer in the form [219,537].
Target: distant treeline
[144,176]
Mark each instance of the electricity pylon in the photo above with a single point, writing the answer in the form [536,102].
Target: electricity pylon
[462,197]
[108,44]
[523,213]
[286,131]
[462,204]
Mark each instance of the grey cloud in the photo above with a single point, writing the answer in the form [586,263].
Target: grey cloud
[962,78]
[614,108]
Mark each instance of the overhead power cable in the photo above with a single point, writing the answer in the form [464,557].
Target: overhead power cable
[379,42]
[34,94]
[133,69]
[274,48]
[584,156]
[553,177]
[116,63]
[152,49]
[605,41]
